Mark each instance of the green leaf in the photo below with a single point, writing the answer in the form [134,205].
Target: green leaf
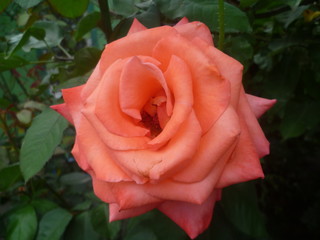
[9,175]
[11,63]
[241,208]
[40,141]
[99,220]
[125,8]
[53,224]
[206,12]
[27,3]
[22,224]
[42,206]
[299,117]
[247,3]
[153,225]
[75,178]
[4,4]
[80,228]
[86,59]
[70,8]
[38,39]
[86,24]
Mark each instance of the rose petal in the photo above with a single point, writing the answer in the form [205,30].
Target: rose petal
[131,195]
[211,92]
[244,165]
[79,156]
[138,83]
[182,21]
[192,218]
[229,68]
[89,143]
[195,29]
[106,104]
[136,27]
[259,140]
[213,145]
[126,47]
[63,110]
[102,189]
[194,192]
[116,214]
[110,140]
[260,105]
[166,160]
[180,83]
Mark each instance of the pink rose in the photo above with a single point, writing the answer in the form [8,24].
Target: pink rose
[164,122]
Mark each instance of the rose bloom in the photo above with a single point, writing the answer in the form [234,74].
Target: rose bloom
[164,122]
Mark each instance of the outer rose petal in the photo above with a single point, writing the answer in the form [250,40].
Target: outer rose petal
[195,29]
[244,164]
[63,110]
[182,21]
[260,105]
[136,27]
[211,92]
[127,47]
[89,143]
[213,145]
[259,140]
[116,214]
[192,218]
[229,68]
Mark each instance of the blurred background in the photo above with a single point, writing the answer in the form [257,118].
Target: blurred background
[48,45]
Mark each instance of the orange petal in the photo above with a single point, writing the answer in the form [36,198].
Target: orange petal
[228,67]
[116,214]
[131,195]
[180,83]
[139,82]
[192,218]
[166,160]
[102,189]
[80,156]
[213,145]
[244,165]
[63,110]
[194,192]
[260,105]
[259,140]
[106,104]
[211,92]
[195,29]
[88,141]
[112,141]
[136,27]
[182,21]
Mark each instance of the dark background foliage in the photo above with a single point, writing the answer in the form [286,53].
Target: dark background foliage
[47,45]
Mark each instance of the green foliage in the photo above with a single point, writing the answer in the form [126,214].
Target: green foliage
[53,224]
[46,46]
[40,142]
[207,12]
[22,224]
[70,8]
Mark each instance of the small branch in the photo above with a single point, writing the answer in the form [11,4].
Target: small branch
[105,19]
[6,130]
[221,25]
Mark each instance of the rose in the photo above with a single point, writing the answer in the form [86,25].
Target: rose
[163,122]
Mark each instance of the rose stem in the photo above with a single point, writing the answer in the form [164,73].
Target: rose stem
[105,19]
[221,24]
